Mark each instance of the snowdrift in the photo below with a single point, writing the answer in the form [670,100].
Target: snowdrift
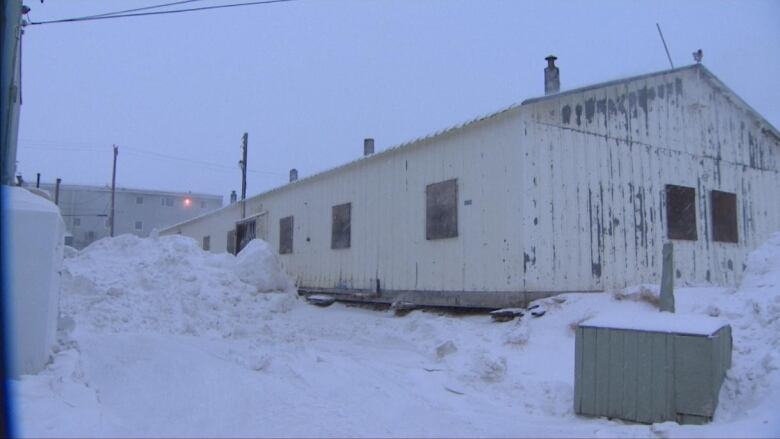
[173,341]
[169,285]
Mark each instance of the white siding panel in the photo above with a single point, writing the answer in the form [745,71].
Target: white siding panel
[555,204]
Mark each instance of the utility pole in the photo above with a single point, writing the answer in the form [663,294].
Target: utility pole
[113,190]
[242,163]
[57,192]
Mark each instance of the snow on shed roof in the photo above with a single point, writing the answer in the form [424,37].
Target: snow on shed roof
[658,322]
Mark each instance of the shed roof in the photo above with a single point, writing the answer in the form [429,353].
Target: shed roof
[714,81]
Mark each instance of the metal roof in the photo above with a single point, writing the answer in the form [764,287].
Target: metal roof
[717,83]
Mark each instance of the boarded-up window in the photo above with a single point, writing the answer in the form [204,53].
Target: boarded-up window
[286,235]
[441,210]
[231,242]
[724,216]
[681,212]
[341,229]
[207,243]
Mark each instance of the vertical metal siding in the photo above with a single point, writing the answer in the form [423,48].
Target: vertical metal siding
[556,205]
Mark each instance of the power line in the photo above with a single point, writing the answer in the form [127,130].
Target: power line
[139,152]
[141,9]
[141,14]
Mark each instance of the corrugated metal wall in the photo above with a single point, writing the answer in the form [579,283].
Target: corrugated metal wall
[560,194]
[604,172]
[648,376]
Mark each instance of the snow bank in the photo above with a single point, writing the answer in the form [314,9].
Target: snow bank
[763,266]
[257,265]
[170,285]
[172,341]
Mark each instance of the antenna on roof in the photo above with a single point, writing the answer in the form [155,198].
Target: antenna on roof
[664,41]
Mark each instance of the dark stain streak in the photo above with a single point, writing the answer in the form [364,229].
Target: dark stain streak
[611,107]
[529,260]
[632,105]
[578,111]
[590,109]
[566,114]
[678,87]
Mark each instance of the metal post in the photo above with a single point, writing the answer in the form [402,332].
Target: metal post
[113,190]
[667,278]
[244,147]
[38,181]
[57,192]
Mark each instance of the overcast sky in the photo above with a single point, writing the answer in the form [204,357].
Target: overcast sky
[309,79]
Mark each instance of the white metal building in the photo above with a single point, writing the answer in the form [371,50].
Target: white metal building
[86,209]
[573,191]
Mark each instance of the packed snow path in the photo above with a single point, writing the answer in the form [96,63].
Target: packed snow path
[161,339]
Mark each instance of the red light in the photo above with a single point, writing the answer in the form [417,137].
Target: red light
[187,202]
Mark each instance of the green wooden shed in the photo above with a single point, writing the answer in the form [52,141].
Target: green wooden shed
[652,367]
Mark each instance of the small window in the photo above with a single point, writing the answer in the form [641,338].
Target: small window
[167,201]
[286,235]
[681,212]
[724,216]
[139,225]
[207,243]
[441,210]
[139,200]
[76,222]
[341,232]
[90,236]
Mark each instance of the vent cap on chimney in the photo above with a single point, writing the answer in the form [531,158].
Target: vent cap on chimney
[368,146]
[552,79]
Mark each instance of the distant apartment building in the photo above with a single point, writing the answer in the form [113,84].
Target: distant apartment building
[86,209]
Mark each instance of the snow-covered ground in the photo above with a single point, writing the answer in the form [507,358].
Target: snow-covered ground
[161,339]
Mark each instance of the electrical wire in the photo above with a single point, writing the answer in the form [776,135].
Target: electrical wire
[145,8]
[139,152]
[173,11]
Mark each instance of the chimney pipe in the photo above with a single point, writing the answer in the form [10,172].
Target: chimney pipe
[552,79]
[57,192]
[38,180]
[368,146]
[293,175]
[233,197]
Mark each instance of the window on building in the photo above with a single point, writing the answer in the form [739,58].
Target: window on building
[341,230]
[206,243]
[724,216]
[441,210]
[681,212]
[89,236]
[139,200]
[286,225]
[166,201]
[76,222]
[139,225]
[246,231]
